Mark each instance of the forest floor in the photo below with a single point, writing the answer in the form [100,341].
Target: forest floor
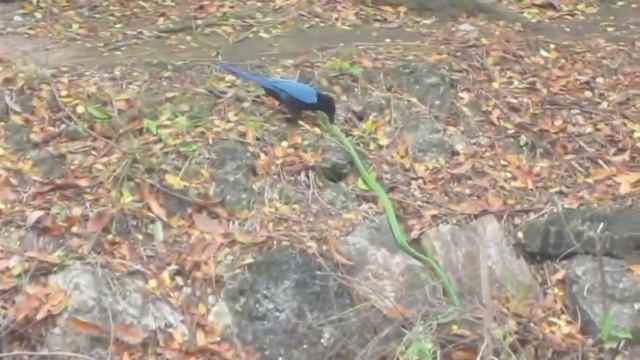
[67,64]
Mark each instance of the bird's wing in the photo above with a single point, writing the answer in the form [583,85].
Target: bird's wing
[293,88]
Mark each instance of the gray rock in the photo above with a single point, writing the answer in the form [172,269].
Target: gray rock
[51,165]
[339,196]
[433,88]
[289,306]
[426,140]
[103,297]
[615,232]
[385,275]
[621,292]
[234,167]
[17,135]
[336,164]
[426,83]
[461,250]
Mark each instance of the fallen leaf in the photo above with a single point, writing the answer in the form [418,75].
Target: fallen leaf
[7,285]
[85,327]
[33,217]
[60,185]
[6,195]
[336,255]
[201,338]
[634,268]
[99,220]
[464,354]
[494,201]
[129,334]
[5,264]
[177,335]
[44,257]
[174,181]
[205,223]
[26,306]
[57,302]
[247,238]
[155,206]
[626,181]
[466,166]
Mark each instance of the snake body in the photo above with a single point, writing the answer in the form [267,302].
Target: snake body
[396,229]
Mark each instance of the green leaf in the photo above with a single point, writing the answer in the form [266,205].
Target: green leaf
[362,184]
[151,126]
[98,112]
[188,147]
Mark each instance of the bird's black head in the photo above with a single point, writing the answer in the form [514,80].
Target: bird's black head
[327,105]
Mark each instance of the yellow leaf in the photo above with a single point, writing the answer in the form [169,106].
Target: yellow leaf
[202,308]
[152,284]
[174,181]
[126,196]
[362,184]
[167,278]
[177,335]
[201,338]
[437,57]
[635,268]
[248,238]
[627,180]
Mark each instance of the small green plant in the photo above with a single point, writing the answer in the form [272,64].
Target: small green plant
[419,346]
[611,335]
[346,66]
[420,349]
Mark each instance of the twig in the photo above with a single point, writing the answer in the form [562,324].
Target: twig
[178,195]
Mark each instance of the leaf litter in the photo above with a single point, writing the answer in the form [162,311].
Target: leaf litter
[560,116]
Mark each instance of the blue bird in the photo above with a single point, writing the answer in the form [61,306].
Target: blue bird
[294,95]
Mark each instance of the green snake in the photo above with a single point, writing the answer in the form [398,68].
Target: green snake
[389,210]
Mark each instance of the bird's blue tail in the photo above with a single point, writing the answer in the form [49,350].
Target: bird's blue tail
[243,74]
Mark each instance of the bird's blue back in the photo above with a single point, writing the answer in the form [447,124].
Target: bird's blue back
[285,87]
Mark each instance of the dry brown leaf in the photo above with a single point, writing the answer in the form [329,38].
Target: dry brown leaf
[6,195]
[7,285]
[635,268]
[5,264]
[397,311]
[44,257]
[154,204]
[85,327]
[177,335]
[627,180]
[201,338]
[205,223]
[28,305]
[494,201]
[466,166]
[264,164]
[99,220]
[33,217]
[464,354]
[248,238]
[336,255]
[129,334]
[57,302]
